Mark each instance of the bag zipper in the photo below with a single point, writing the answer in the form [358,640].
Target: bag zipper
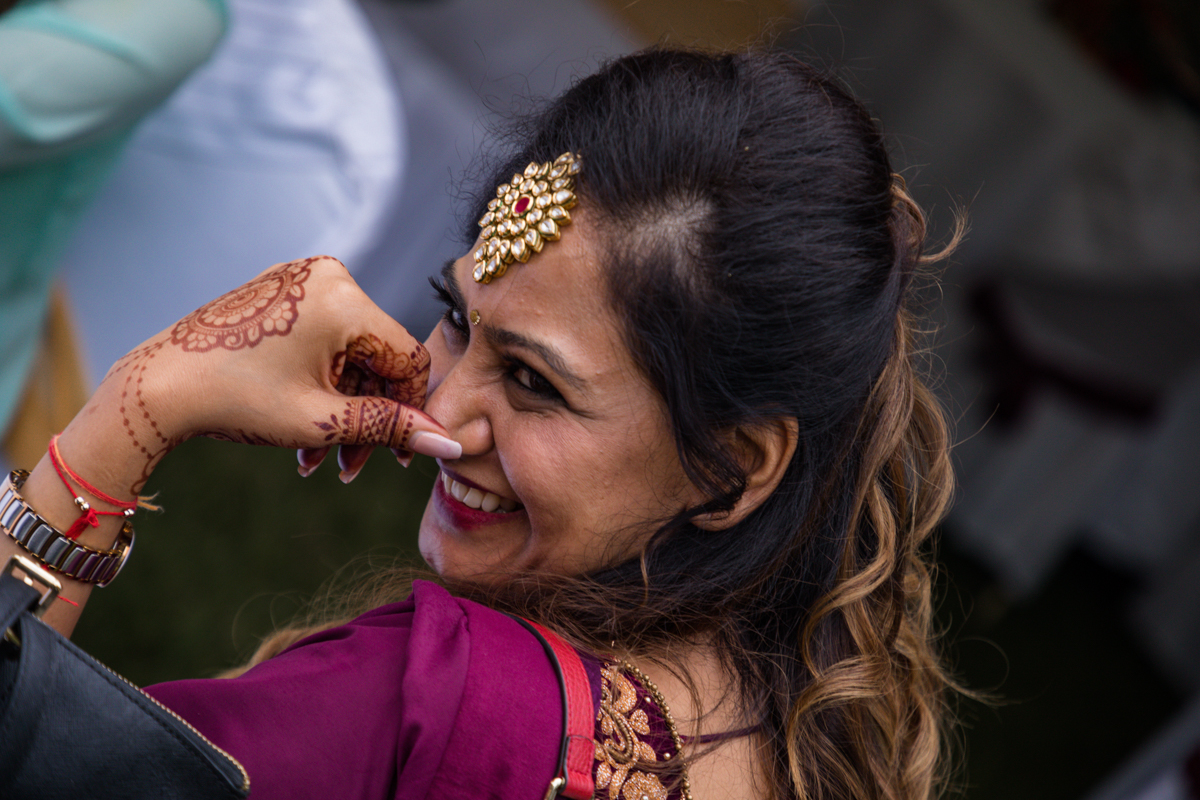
[245,775]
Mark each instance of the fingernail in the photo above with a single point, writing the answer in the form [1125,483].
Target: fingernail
[404,457]
[345,476]
[307,463]
[434,445]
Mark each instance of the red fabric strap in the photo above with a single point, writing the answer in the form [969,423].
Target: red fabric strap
[88,515]
[56,457]
[581,747]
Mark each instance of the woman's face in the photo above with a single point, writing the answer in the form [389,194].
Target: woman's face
[567,460]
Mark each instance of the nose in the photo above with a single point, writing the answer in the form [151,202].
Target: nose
[457,399]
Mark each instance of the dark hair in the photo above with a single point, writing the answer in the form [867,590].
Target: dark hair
[759,250]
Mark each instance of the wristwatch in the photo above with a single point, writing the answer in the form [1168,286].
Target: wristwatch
[50,547]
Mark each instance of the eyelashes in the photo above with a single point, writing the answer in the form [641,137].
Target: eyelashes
[530,380]
[453,314]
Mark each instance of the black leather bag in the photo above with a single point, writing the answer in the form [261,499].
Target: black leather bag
[72,728]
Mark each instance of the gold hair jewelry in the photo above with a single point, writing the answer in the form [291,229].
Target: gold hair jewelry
[474,316]
[525,214]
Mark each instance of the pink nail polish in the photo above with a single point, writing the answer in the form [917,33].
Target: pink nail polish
[434,445]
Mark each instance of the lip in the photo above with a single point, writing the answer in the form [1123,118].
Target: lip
[462,516]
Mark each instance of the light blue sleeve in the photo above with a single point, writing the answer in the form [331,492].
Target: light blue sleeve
[72,71]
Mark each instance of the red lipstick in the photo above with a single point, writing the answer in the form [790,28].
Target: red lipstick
[462,516]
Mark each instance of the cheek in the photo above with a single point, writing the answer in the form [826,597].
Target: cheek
[559,471]
[575,483]
[540,461]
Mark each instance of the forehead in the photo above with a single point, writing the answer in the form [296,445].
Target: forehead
[558,298]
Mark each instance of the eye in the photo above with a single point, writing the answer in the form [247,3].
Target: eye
[453,315]
[531,381]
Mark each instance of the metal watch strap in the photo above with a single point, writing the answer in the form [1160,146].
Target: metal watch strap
[49,546]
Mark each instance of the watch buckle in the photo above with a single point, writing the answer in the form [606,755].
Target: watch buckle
[51,585]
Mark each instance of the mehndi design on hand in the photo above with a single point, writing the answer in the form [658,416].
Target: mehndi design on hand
[135,416]
[267,306]
[391,382]
[370,367]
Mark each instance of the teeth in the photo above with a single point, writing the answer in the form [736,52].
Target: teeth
[470,496]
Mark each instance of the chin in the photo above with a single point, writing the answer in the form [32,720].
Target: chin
[464,543]
[453,556]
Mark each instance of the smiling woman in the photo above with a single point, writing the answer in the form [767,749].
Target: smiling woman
[678,423]
[552,414]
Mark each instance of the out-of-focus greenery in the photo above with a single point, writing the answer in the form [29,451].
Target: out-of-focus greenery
[243,543]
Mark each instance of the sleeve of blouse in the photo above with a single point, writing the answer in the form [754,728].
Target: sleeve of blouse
[71,70]
[335,714]
[433,697]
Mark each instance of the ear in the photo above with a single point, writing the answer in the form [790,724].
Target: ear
[764,451]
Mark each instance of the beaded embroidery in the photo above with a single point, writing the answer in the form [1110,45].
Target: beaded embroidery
[621,724]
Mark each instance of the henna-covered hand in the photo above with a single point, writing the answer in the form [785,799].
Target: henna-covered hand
[266,306]
[298,357]
[370,367]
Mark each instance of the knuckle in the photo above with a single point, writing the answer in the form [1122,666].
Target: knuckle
[329,262]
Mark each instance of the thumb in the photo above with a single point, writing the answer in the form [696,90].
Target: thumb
[387,423]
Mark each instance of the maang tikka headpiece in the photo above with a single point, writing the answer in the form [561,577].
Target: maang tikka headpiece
[525,214]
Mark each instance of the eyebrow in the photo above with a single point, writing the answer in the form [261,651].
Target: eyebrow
[505,337]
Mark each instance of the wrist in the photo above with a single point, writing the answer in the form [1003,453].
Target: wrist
[143,395]
[113,445]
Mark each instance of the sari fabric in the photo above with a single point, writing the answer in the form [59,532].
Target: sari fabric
[434,697]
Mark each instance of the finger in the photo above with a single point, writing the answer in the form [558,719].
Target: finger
[403,457]
[372,385]
[370,366]
[351,379]
[434,445]
[310,458]
[384,422]
[352,458]
[399,359]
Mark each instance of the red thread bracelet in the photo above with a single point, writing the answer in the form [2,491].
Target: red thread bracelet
[88,515]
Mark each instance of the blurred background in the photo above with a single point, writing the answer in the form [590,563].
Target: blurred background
[1066,342]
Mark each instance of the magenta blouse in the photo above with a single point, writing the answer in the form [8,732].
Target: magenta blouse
[434,697]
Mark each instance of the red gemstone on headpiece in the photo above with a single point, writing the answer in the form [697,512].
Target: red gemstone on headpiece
[522,205]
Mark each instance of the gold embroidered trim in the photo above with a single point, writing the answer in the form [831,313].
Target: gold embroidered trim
[619,747]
